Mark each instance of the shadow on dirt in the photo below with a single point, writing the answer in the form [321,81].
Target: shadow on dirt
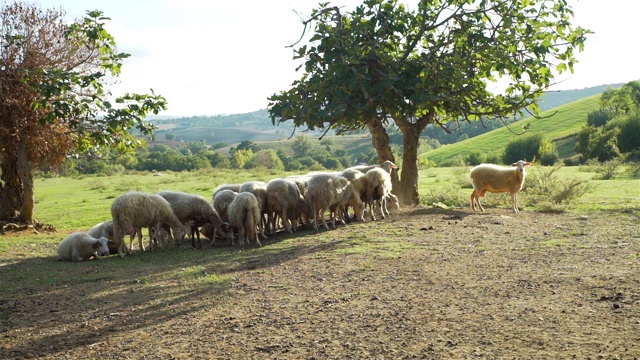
[90,303]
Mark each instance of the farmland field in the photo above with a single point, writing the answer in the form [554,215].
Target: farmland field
[426,282]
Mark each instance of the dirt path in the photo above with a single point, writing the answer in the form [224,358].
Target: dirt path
[448,285]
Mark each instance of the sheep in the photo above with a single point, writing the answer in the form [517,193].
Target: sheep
[283,197]
[195,210]
[221,202]
[497,179]
[244,214]
[105,229]
[259,190]
[81,246]
[136,210]
[359,181]
[388,166]
[378,189]
[232,187]
[332,192]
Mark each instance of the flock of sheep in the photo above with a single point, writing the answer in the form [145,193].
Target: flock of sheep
[255,208]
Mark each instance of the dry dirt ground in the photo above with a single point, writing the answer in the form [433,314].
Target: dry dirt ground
[459,286]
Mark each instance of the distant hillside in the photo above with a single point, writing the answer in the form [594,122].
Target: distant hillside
[257,126]
[561,128]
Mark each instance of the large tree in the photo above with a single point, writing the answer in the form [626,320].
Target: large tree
[54,100]
[383,63]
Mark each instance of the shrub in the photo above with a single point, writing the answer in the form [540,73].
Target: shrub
[457,160]
[608,169]
[475,158]
[546,189]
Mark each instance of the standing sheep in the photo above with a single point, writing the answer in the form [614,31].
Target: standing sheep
[195,210]
[497,179]
[283,197]
[378,189]
[332,192]
[259,190]
[105,229]
[244,214]
[81,246]
[136,210]
[221,202]
[388,166]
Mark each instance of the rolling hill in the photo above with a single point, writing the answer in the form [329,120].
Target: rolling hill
[560,125]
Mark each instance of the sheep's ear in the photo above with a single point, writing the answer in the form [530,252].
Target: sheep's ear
[111,242]
[527,164]
[514,164]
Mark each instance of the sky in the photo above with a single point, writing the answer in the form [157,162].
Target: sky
[227,57]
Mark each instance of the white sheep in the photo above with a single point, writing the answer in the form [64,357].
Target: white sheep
[387,165]
[244,214]
[221,202]
[283,199]
[195,210]
[359,181]
[136,210]
[81,246]
[259,190]
[497,179]
[105,229]
[378,189]
[332,192]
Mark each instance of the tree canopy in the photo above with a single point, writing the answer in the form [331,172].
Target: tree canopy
[54,98]
[383,63]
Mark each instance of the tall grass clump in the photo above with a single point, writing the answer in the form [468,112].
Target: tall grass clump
[551,193]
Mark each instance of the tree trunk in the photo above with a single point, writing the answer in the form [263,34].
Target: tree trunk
[16,190]
[26,178]
[382,145]
[409,182]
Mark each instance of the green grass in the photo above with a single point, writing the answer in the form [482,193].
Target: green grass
[559,125]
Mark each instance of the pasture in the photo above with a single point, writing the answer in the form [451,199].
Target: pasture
[434,282]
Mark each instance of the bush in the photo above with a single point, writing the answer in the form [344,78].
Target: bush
[608,169]
[530,147]
[551,193]
[475,158]
[455,161]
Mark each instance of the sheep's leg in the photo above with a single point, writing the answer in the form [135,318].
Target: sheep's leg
[514,202]
[285,220]
[255,234]
[473,200]
[293,219]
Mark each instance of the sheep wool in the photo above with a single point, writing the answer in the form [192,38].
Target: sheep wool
[497,179]
[332,192]
[137,210]
[244,214]
[81,246]
[195,210]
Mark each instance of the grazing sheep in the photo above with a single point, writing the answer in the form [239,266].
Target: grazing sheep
[259,190]
[378,189]
[81,246]
[221,202]
[332,192]
[388,166]
[136,210]
[497,179]
[359,181]
[283,197]
[105,229]
[244,214]
[232,187]
[195,210]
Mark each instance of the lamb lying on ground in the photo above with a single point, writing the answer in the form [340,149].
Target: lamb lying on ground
[497,179]
[81,246]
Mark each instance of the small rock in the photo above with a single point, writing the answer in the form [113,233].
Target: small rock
[584,217]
